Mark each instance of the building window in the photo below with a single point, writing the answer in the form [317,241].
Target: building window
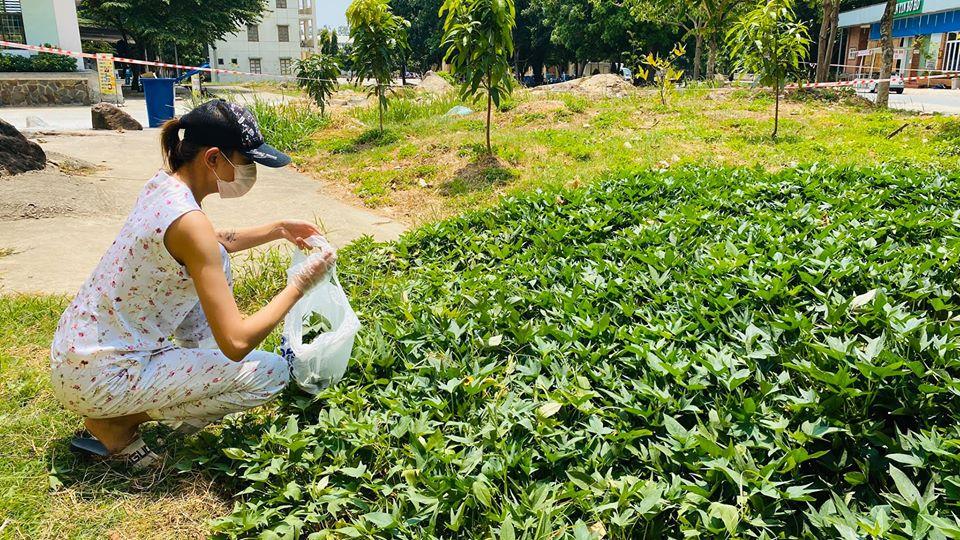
[11,21]
[281,4]
[254,65]
[233,61]
[283,33]
[219,61]
[285,64]
[253,32]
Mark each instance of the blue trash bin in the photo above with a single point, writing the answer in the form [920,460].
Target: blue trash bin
[159,95]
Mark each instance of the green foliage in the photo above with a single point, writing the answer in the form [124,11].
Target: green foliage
[187,22]
[318,77]
[40,62]
[769,42]
[478,37]
[408,108]
[288,126]
[665,73]
[699,352]
[379,42]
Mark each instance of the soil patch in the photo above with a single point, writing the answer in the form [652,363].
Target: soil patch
[49,193]
[540,107]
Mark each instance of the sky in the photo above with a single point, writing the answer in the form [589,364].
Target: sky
[331,12]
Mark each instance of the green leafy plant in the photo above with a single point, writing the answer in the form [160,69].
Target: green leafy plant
[315,325]
[317,75]
[379,41]
[288,126]
[769,42]
[664,71]
[40,62]
[478,37]
[698,352]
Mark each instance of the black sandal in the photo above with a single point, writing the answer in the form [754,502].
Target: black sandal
[136,455]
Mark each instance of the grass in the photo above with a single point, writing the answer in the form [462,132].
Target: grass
[288,126]
[45,493]
[550,140]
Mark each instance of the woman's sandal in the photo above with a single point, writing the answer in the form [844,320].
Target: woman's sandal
[136,455]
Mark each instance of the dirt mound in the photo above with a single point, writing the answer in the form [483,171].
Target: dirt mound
[434,84]
[49,193]
[605,85]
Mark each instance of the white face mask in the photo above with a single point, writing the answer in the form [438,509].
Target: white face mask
[244,176]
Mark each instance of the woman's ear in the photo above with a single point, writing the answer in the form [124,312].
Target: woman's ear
[211,156]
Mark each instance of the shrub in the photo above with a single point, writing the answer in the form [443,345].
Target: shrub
[288,126]
[318,77]
[713,353]
[40,62]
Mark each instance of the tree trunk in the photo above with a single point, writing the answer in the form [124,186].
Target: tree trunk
[697,56]
[489,114]
[380,107]
[832,41]
[886,42]
[537,66]
[403,71]
[823,57]
[776,110]
[711,56]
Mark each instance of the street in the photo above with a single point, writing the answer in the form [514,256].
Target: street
[927,100]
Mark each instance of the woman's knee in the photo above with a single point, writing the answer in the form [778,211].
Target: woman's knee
[271,374]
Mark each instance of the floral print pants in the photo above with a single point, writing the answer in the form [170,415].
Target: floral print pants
[193,382]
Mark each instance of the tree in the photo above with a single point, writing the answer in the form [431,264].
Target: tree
[379,42]
[886,43]
[153,25]
[425,33]
[589,29]
[317,75]
[826,38]
[770,42]
[478,36]
[665,74]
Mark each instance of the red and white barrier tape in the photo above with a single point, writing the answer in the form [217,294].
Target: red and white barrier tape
[867,82]
[55,50]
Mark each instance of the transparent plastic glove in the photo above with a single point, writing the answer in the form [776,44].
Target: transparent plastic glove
[313,270]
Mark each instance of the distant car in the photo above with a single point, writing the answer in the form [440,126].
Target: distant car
[869,85]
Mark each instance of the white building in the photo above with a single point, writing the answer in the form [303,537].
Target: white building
[283,36]
[36,22]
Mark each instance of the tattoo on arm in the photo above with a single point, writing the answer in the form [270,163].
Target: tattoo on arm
[227,237]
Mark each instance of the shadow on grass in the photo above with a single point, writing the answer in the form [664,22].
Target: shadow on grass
[371,138]
[92,478]
[482,172]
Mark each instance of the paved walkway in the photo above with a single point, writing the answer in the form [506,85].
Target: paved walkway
[928,100]
[55,255]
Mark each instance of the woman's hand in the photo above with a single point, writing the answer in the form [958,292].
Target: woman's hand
[312,270]
[297,232]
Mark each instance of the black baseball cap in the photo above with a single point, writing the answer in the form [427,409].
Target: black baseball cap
[228,125]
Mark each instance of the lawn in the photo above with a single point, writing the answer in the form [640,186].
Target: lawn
[625,344]
[430,166]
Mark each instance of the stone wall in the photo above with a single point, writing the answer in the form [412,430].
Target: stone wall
[33,89]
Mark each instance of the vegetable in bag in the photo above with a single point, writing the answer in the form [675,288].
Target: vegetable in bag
[319,330]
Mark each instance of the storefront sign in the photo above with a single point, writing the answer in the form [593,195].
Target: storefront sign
[906,8]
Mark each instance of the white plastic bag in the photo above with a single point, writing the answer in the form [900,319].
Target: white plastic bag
[322,362]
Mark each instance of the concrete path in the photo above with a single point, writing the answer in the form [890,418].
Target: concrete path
[55,255]
[929,100]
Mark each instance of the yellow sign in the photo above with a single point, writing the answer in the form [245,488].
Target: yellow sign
[106,76]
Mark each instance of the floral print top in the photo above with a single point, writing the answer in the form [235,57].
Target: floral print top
[138,294]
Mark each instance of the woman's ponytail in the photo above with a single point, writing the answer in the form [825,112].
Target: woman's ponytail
[176,152]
